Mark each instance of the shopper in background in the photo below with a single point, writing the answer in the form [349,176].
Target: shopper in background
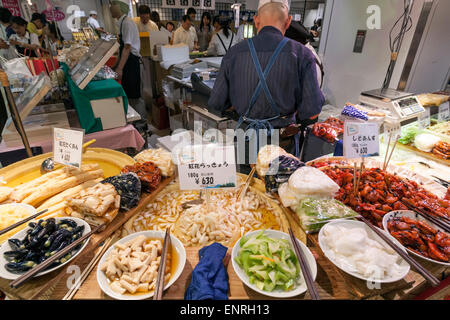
[170,27]
[292,94]
[316,29]
[37,24]
[184,35]
[53,41]
[128,63]
[143,22]
[204,32]
[6,30]
[26,42]
[223,40]
[216,24]
[93,23]
[298,32]
[191,13]
[154,16]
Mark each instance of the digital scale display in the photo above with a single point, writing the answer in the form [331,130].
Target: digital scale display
[409,106]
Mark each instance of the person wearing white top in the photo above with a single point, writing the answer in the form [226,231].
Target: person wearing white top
[26,43]
[128,65]
[185,35]
[143,22]
[93,23]
[223,40]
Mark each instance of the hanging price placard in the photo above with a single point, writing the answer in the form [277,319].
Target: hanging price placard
[68,146]
[444,112]
[207,166]
[361,139]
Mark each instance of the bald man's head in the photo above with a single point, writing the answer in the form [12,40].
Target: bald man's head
[273,14]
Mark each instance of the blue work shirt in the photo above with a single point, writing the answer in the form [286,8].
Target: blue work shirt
[292,80]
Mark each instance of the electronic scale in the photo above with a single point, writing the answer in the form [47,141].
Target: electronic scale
[399,106]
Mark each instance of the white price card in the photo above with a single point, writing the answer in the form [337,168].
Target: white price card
[444,112]
[68,146]
[206,166]
[424,119]
[361,139]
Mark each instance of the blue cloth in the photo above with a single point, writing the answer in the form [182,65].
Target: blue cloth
[209,278]
[339,149]
[292,81]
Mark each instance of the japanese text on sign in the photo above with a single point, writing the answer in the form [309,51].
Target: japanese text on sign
[68,146]
[361,139]
[208,166]
[184,4]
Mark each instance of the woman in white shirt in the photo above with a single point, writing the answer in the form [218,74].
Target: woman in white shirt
[26,43]
[223,40]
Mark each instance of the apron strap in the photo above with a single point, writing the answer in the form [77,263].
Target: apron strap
[262,76]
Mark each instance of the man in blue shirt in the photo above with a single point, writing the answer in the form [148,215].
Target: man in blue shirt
[270,81]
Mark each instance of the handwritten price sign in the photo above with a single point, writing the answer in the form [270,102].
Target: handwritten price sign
[361,139]
[68,146]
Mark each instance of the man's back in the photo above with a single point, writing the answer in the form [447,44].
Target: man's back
[291,80]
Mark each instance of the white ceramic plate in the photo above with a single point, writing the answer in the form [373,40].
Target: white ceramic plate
[103,281]
[277,293]
[21,234]
[357,224]
[414,216]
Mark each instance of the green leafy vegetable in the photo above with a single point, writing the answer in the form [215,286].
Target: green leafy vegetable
[269,263]
[408,134]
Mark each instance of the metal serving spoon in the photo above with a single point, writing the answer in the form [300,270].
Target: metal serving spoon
[49,165]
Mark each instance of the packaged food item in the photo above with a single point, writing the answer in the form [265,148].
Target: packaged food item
[310,181]
[280,169]
[314,213]
[426,142]
[352,112]
[265,156]
[325,131]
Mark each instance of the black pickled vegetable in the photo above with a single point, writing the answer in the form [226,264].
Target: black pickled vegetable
[280,169]
[43,239]
[128,186]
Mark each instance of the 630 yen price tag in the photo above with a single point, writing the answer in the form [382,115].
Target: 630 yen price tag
[207,166]
[361,139]
[68,146]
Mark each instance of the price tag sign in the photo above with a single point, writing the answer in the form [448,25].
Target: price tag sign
[207,166]
[444,112]
[424,119]
[361,139]
[68,146]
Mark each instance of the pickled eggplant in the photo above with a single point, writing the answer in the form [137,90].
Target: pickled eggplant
[43,239]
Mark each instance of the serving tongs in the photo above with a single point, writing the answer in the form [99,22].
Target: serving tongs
[21,222]
[243,190]
[191,203]
[46,263]
[307,275]
[159,287]
[442,181]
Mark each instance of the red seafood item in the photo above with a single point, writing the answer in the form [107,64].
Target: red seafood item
[421,238]
[148,173]
[379,192]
